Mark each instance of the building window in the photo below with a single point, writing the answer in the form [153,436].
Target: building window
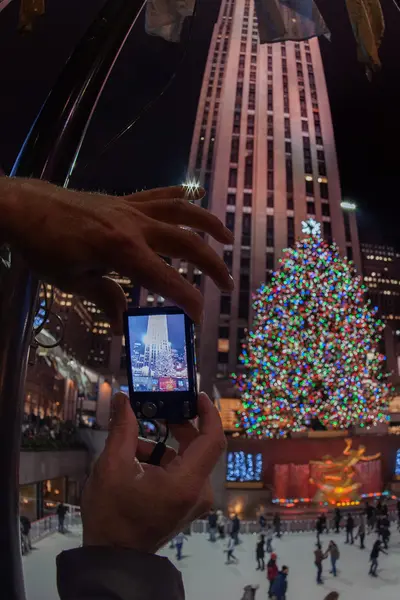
[270,199]
[270,180]
[287,127]
[231,199]
[225,304]
[289,174]
[250,125]
[245,260]
[304,125]
[270,231]
[252,96]
[228,259]
[270,104]
[246,229]
[327,231]
[235,150]
[309,187]
[323,190]
[270,125]
[270,261]
[247,200]
[310,208]
[349,251]
[288,147]
[232,178]
[325,209]
[230,221]
[248,172]
[289,202]
[290,230]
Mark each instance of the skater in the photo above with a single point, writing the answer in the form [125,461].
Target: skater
[262,522]
[272,572]
[277,525]
[178,541]
[25,526]
[334,553]
[279,587]
[250,592]
[229,550]
[319,557]
[324,523]
[349,529]
[319,528]
[212,525]
[338,518]
[61,512]
[269,536]
[370,512]
[221,524]
[361,532]
[374,557]
[385,531]
[260,552]
[235,528]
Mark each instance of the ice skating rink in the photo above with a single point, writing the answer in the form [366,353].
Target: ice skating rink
[206,576]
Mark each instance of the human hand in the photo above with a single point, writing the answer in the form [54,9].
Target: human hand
[129,504]
[73,239]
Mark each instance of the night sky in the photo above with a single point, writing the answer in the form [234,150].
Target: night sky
[366,115]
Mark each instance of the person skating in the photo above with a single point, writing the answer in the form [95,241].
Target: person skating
[178,542]
[376,549]
[269,535]
[272,572]
[349,529]
[262,522]
[370,513]
[384,531]
[260,552]
[61,512]
[318,558]
[319,528]
[333,552]
[280,585]
[25,534]
[338,518]
[361,532]
[277,524]
[229,550]
[250,592]
[235,529]
[212,525]
[221,524]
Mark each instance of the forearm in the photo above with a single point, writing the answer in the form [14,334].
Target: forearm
[116,574]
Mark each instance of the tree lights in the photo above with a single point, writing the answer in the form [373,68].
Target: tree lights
[312,351]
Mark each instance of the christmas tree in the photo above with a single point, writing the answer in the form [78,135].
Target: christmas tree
[312,351]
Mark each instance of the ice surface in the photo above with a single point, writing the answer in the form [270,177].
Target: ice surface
[206,576]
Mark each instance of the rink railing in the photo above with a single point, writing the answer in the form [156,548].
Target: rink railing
[49,524]
[287,526]
[43,527]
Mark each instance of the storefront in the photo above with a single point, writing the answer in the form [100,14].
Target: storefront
[40,499]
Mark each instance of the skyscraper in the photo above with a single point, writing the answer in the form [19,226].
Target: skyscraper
[157,352]
[263,146]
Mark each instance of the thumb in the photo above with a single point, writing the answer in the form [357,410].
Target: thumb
[124,430]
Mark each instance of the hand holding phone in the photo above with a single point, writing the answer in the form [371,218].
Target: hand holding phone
[161,364]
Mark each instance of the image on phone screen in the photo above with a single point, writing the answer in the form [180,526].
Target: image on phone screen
[158,353]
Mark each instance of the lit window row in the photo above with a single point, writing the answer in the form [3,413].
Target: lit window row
[378,257]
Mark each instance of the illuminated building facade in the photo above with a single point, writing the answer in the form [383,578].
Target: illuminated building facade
[263,146]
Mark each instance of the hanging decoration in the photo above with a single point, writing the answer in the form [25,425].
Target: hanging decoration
[312,353]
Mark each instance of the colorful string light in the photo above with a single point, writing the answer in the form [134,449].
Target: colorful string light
[242,467]
[312,351]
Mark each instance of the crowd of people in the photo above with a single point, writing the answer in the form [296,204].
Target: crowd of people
[48,432]
[26,527]
[374,519]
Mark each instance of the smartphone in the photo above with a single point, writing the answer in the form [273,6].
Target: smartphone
[160,353]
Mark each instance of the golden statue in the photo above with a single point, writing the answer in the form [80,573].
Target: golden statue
[336,480]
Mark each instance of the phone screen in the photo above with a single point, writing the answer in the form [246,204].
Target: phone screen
[158,353]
